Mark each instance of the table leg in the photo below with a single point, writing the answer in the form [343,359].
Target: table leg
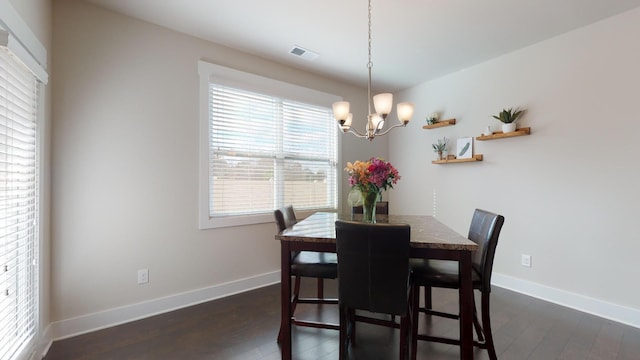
[466,306]
[285,300]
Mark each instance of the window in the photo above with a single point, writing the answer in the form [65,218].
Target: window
[266,144]
[19,235]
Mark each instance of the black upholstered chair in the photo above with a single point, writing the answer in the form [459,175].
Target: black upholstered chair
[382,208]
[374,276]
[309,264]
[484,231]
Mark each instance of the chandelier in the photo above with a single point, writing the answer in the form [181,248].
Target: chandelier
[383,103]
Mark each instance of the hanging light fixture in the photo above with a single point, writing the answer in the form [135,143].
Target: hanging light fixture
[383,103]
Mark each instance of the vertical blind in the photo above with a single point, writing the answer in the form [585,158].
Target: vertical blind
[18,206]
[266,151]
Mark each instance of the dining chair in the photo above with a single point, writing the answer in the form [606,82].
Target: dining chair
[374,276]
[484,230]
[382,208]
[308,264]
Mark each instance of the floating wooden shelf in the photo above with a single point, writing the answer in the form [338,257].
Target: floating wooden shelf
[501,135]
[440,124]
[476,157]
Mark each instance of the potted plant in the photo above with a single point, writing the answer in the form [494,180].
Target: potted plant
[508,118]
[433,118]
[440,147]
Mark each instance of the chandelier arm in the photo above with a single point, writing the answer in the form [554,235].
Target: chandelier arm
[356,133]
[391,128]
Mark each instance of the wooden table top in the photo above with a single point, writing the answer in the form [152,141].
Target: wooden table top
[426,231]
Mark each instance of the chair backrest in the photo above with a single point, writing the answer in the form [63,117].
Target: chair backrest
[382,208]
[285,217]
[484,231]
[373,266]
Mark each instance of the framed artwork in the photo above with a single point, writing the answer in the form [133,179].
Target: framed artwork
[464,150]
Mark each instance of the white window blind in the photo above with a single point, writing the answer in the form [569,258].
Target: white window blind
[18,206]
[267,151]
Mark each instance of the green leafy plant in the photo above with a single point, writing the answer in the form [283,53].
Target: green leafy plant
[433,118]
[440,146]
[508,116]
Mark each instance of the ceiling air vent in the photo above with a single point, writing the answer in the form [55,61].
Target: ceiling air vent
[304,53]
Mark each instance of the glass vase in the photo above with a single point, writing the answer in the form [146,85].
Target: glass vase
[369,201]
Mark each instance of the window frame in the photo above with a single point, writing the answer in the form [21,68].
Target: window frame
[20,42]
[209,72]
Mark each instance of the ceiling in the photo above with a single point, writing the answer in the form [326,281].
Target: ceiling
[413,40]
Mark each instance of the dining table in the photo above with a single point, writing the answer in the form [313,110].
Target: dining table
[430,239]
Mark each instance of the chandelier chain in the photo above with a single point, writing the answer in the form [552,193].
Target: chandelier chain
[369,65]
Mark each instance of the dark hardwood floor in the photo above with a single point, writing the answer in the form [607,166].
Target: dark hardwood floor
[245,327]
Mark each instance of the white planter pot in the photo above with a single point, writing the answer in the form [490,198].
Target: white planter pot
[507,128]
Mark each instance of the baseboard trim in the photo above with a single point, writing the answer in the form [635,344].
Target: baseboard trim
[104,319]
[43,344]
[622,314]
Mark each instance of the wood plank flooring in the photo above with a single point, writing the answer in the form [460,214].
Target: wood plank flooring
[245,327]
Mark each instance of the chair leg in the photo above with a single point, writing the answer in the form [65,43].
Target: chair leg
[405,330]
[415,315]
[486,326]
[352,326]
[427,298]
[294,302]
[320,288]
[476,323]
[344,324]
[296,294]
[347,331]
[404,335]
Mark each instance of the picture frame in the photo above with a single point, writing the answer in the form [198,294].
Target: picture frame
[464,148]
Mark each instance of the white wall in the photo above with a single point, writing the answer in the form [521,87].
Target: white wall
[569,191]
[125,156]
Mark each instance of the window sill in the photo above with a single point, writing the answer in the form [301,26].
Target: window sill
[243,220]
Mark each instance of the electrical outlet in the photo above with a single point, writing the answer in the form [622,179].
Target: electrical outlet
[526,260]
[143,276]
